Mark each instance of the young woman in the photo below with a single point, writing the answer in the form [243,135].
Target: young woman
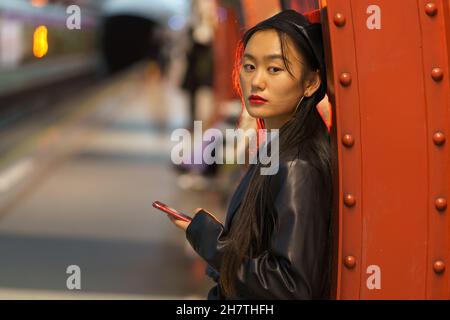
[275,243]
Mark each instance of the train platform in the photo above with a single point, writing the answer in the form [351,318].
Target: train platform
[78,188]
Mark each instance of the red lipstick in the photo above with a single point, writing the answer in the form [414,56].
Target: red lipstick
[255,99]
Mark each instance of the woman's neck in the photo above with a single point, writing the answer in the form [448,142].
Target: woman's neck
[276,122]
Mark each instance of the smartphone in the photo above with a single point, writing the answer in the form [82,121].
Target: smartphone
[174,213]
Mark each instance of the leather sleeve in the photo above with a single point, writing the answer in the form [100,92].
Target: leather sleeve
[294,266]
[204,234]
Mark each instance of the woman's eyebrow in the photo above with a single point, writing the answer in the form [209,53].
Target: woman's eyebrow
[266,57]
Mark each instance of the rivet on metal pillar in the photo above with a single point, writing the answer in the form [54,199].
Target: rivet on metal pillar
[339,20]
[345,79]
[349,200]
[437,74]
[348,140]
[431,9]
[350,262]
[441,204]
[439,138]
[439,266]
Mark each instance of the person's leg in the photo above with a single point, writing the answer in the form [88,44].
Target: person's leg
[192,110]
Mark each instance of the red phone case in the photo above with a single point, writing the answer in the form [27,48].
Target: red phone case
[163,207]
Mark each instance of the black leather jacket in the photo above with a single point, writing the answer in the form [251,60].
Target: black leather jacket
[296,264]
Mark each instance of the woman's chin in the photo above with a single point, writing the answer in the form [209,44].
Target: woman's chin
[255,112]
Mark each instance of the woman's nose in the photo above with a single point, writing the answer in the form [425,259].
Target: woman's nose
[258,81]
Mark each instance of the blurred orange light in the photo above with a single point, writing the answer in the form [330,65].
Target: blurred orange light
[40,43]
[39,3]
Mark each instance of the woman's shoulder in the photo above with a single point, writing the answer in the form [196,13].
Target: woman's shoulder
[291,170]
[296,163]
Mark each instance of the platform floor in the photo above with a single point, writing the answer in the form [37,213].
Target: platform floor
[78,191]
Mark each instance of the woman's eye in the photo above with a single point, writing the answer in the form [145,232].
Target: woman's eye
[274,69]
[248,67]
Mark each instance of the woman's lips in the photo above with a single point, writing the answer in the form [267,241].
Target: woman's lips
[254,99]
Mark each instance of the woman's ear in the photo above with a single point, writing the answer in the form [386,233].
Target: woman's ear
[313,84]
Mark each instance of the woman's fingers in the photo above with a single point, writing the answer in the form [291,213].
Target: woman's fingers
[179,223]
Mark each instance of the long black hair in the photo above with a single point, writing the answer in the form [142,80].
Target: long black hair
[305,134]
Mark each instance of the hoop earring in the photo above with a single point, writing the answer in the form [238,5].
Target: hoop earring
[298,104]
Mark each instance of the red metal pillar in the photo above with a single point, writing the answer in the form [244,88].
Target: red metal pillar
[227,36]
[388,67]
[257,11]
[434,22]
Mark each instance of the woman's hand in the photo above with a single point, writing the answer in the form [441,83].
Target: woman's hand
[180,223]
